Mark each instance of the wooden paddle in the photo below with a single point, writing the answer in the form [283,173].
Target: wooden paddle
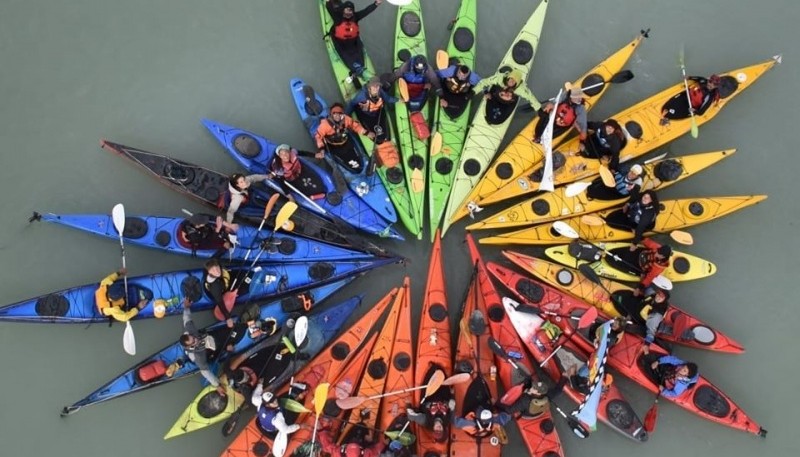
[606,176]
[402,88]
[118,216]
[442,59]
[436,143]
[436,381]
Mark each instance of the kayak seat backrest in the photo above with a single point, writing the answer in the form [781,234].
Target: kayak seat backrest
[463,39]
[410,23]
[135,228]
[246,145]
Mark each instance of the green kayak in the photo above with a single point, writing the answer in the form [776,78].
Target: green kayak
[346,82]
[409,41]
[483,138]
[461,50]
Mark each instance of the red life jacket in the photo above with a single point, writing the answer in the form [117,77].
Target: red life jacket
[565,115]
[696,96]
[345,30]
[291,168]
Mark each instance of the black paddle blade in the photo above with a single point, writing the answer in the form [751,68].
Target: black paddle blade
[588,273]
[230,425]
[622,77]
[477,323]
[494,345]
[313,106]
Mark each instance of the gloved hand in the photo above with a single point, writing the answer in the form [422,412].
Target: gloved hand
[395,445]
[451,404]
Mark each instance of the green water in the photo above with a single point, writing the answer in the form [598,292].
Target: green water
[144,72]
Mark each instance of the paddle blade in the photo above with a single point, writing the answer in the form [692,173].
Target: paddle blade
[587,271]
[512,395]
[662,282]
[460,378]
[280,443]
[320,397]
[436,143]
[400,2]
[129,340]
[402,87]
[695,131]
[434,383]
[294,406]
[350,402]
[271,204]
[576,188]
[594,221]
[682,237]
[300,330]
[588,318]
[622,77]
[651,417]
[564,229]
[406,439]
[442,59]
[494,345]
[285,213]
[607,177]
[118,216]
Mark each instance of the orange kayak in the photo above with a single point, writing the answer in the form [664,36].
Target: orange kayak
[538,433]
[433,343]
[327,365]
[401,369]
[614,410]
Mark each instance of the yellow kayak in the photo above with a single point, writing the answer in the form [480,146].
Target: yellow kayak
[682,267]
[645,132]
[556,205]
[522,153]
[674,215]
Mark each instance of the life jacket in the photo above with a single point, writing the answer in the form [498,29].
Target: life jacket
[636,210]
[647,260]
[455,86]
[371,106]
[565,114]
[291,168]
[351,450]
[625,185]
[339,135]
[438,408]
[224,200]
[696,96]
[346,30]
[478,430]
[102,298]
[415,82]
[265,417]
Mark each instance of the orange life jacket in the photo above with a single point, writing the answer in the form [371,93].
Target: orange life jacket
[346,30]
[475,430]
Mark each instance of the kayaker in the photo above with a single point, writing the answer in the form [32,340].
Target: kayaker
[482,422]
[534,399]
[286,167]
[604,142]
[111,300]
[345,32]
[199,347]
[217,282]
[570,111]
[653,259]
[702,93]
[672,374]
[638,215]
[502,91]
[420,79]
[353,448]
[236,195]
[269,418]
[256,327]
[370,105]
[458,87]
[333,135]
[650,313]
[200,232]
[578,374]
[627,182]
[435,412]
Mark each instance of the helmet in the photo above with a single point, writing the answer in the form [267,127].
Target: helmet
[159,308]
[485,415]
[420,63]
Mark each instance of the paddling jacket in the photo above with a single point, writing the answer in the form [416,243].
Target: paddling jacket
[289,170]
[673,385]
[569,113]
[473,426]
[335,133]
[649,264]
[233,198]
[625,186]
[417,81]
[112,308]
[345,30]
[329,446]
[700,96]
[270,419]
[449,82]
[216,290]
[366,104]
[493,85]
[640,216]
[197,354]
[605,144]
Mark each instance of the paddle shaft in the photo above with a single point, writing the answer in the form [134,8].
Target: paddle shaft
[694,131]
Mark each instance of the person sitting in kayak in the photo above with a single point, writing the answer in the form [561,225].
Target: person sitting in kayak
[199,348]
[200,232]
[216,283]
[434,413]
[702,93]
[256,326]
[345,33]
[286,167]
[111,300]
[605,140]
[334,133]
[649,312]
[481,423]
[502,92]
[638,215]
[354,447]
[578,375]
[420,79]
[534,398]
[458,87]
[653,259]
[370,106]
[236,196]
[673,375]
[570,111]
[627,182]
[269,417]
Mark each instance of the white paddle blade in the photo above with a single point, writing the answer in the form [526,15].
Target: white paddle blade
[118,216]
[280,444]
[564,229]
[300,330]
[129,340]
[662,282]
[576,188]
[400,2]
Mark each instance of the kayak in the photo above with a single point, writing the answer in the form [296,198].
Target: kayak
[77,305]
[551,206]
[474,356]
[643,129]
[433,344]
[409,41]
[674,215]
[679,327]
[461,50]
[682,266]
[323,368]
[483,138]
[348,86]
[522,153]
[400,375]
[369,188]
[168,234]
[208,186]
[704,398]
[538,433]
[136,378]
[375,377]
[614,409]
[269,363]
[254,152]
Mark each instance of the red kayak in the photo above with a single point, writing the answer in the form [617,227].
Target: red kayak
[538,433]
[401,369]
[614,409]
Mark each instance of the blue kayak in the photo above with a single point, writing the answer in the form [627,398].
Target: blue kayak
[254,152]
[369,188]
[168,234]
[137,378]
[269,281]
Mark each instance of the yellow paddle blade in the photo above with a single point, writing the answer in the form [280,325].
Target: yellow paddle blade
[434,383]
[607,176]
[271,204]
[436,143]
[595,221]
[402,87]
[285,213]
[682,237]
[442,59]
[320,397]
[417,181]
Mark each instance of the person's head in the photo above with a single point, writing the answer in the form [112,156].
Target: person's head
[618,323]
[635,171]
[661,295]
[420,64]
[713,82]
[512,79]
[439,434]
[462,73]
[611,127]
[269,398]
[576,95]
[198,220]
[687,370]
[238,181]
[648,198]
[188,340]
[664,251]
[348,10]
[337,112]
[484,418]
[213,268]
[374,87]
[284,152]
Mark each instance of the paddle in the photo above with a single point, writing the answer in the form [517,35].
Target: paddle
[546,184]
[586,319]
[618,78]
[576,188]
[695,131]
[606,176]
[442,59]
[400,2]
[320,397]
[651,417]
[305,198]
[436,143]
[273,199]
[402,88]
[118,216]
[280,443]
[436,381]
[495,346]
